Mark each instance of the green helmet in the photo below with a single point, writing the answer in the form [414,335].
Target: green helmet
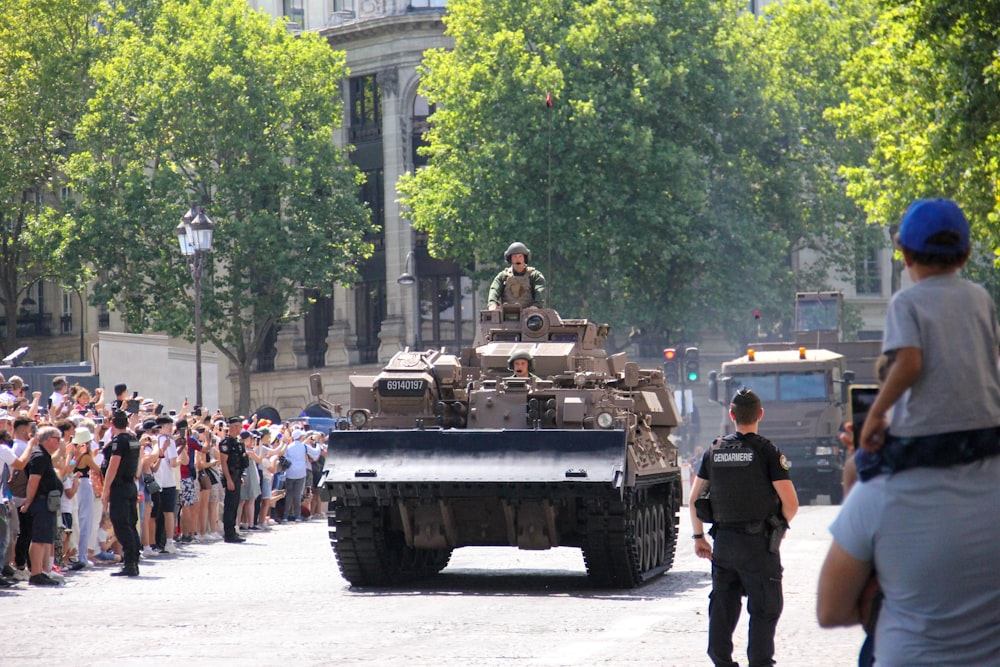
[516,248]
[521,354]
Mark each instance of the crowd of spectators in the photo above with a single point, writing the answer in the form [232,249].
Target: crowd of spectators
[54,454]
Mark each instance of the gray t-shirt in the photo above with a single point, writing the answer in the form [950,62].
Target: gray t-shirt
[931,534]
[953,323]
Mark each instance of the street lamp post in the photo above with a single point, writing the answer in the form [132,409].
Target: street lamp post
[194,234]
[408,278]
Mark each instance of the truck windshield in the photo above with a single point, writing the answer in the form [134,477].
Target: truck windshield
[784,387]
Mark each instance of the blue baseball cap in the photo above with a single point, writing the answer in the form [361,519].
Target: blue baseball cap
[927,217]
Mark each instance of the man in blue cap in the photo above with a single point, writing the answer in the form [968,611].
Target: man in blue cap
[936,512]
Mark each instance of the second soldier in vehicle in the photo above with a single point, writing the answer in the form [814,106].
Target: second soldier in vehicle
[522,364]
[751,500]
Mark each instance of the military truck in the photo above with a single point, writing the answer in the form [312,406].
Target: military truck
[803,385]
[445,451]
[804,393]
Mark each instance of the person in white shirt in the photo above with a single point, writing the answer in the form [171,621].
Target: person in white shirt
[166,516]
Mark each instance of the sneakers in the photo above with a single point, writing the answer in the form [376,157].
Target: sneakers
[147,552]
[185,539]
[7,582]
[55,574]
[170,548]
[77,565]
[21,574]
[42,580]
[7,571]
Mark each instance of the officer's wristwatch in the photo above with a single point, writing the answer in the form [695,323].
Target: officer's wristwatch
[698,536]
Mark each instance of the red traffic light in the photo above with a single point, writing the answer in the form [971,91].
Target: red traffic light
[670,354]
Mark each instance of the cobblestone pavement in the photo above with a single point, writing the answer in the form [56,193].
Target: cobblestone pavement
[279,600]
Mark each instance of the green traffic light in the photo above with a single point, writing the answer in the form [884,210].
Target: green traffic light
[692,377]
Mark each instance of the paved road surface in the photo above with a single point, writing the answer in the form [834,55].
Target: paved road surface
[279,600]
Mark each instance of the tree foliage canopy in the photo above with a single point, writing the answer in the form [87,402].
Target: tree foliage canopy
[670,179]
[208,101]
[46,48]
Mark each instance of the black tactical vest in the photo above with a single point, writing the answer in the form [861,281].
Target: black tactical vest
[129,464]
[741,491]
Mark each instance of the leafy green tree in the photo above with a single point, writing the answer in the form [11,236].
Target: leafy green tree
[792,160]
[46,48]
[207,101]
[667,184]
[924,93]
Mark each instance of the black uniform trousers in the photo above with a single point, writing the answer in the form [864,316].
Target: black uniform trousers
[124,515]
[742,565]
[21,558]
[231,504]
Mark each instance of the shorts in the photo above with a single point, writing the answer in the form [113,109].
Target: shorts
[43,522]
[168,499]
[217,493]
[105,556]
[189,491]
[67,522]
[265,487]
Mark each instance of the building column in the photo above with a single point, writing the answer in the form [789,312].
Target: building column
[290,347]
[337,336]
[396,328]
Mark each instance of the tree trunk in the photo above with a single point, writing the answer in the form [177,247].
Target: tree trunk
[243,397]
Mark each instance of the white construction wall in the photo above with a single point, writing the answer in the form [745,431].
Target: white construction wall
[160,368]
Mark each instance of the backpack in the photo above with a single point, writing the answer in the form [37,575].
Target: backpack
[18,484]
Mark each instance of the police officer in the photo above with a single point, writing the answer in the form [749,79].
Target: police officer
[751,500]
[120,493]
[522,364]
[234,460]
[518,283]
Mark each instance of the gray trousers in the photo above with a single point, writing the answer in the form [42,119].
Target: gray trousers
[293,497]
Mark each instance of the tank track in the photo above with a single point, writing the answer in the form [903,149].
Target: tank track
[370,555]
[629,541]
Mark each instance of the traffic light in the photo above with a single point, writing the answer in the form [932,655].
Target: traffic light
[671,367]
[691,364]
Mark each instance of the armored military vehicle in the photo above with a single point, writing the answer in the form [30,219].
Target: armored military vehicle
[445,451]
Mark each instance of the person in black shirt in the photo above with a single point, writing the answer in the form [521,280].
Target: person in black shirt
[120,492]
[232,455]
[42,480]
[752,501]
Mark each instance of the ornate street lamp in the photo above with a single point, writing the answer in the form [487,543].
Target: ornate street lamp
[408,278]
[194,235]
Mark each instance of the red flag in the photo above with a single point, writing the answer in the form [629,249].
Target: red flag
[548,99]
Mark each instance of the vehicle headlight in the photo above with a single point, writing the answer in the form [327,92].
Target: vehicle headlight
[605,419]
[359,418]
[824,450]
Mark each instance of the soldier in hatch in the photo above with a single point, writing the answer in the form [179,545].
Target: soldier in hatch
[522,365]
[518,283]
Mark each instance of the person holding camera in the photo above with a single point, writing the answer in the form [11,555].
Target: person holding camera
[752,501]
[250,487]
[298,453]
